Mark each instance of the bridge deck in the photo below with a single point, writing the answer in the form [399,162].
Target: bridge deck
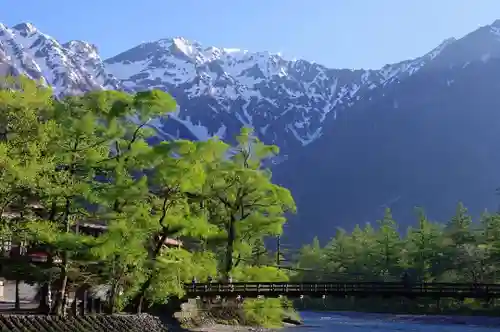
[384,289]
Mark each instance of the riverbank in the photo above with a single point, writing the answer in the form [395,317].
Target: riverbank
[233,316]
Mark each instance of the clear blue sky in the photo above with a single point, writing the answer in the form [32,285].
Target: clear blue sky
[337,33]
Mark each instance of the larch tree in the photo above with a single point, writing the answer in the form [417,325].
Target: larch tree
[424,245]
[123,190]
[310,262]
[26,133]
[388,245]
[460,243]
[178,177]
[490,243]
[79,146]
[250,205]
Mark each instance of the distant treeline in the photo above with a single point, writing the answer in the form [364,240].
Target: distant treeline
[456,250]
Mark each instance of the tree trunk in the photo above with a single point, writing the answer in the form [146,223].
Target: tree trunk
[17,304]
[42,301]
[113,296]
[139,298]
[58,308]
[231,235]
[140,304]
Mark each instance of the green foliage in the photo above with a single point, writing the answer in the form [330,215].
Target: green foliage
[456,251]
[260,274]
[68,164]
[246,205]
[264,312]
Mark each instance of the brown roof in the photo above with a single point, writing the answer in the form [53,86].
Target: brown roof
[173,242]
[168,241]
[95,224]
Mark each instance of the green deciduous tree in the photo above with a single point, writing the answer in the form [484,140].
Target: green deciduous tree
[389,246]
[84,162]
[250,206]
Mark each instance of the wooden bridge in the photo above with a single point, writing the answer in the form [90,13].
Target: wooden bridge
[342,289]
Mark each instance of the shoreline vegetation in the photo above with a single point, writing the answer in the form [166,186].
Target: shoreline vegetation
[179,210]
[457,250]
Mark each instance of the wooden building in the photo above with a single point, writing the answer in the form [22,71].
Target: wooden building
[8,249]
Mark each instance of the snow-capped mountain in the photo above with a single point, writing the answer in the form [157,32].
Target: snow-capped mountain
[218,90]
[429,140]
[422,132]
[69,68]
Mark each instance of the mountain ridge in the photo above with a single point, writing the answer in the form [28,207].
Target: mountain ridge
[218,89]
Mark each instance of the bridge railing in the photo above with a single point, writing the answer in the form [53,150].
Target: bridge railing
[342,288]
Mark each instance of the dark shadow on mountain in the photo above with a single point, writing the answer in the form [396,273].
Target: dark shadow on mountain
[432,140]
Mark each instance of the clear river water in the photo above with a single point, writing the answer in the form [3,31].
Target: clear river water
[362,322]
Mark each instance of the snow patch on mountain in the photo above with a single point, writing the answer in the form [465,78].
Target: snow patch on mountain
[259,89]
[218,90]
[68,69]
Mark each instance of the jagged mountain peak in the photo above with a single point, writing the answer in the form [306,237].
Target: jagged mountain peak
[25,28]
[80,46]
[496,23]
[439,49]
[194,48]
[69,68]
[481,44]
[190,50]
[220,89]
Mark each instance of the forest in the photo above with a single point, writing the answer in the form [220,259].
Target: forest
[458,250]
[88,159]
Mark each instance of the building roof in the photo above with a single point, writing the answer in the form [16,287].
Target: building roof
[92,223]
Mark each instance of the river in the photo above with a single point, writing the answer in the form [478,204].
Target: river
[360,322]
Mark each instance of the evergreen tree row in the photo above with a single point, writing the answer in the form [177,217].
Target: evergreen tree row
[456,251]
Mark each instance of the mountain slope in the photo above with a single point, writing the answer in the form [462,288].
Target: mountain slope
[430,141]
[219,90]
